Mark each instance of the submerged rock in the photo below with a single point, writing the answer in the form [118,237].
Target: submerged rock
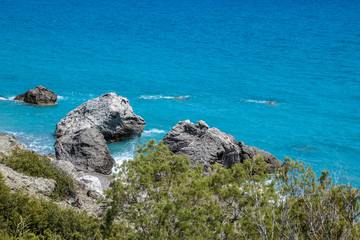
[208,146]
[112,115]
[39,95]
[86,149]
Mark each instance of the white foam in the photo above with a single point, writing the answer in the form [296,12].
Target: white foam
[154,131]
[7,99]
[123,156]
[155,97]
[60,98]
[257,101]
[39,145]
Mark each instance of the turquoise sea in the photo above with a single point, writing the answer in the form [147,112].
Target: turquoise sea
[228,58]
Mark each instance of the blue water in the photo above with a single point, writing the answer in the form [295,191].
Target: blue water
[228,57]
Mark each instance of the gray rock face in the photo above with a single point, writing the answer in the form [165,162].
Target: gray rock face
[7,144]
[39,95]
[32,185]
[112,115]
[208,146]
[86,149]
[92,183]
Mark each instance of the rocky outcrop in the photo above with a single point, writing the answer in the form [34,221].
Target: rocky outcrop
[7,144]
[86,149]
[32,185]
[39,95]
[247,152]
[208,146]
[112,115]
[87,186]
[94,183]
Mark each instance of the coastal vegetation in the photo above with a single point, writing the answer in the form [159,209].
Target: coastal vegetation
[26,217]
[160,195]
[34,164]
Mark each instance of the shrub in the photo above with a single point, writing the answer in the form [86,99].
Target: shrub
[25,217]
[34,164]
[159,195]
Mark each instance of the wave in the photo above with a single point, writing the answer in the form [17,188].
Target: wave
[7,99]
[39,145]
[60,98]
[260,101]
[121,157]
[151,132]
[256,101]
[155,97]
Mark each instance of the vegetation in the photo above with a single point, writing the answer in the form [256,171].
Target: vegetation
[159,195]
[24,217]
[33,164]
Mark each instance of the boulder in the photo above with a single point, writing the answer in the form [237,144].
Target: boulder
[93,184]
[39,95]
[112,115]
[208,146]
[86,149]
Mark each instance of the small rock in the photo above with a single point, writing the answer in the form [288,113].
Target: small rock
[86,149]
[93,184]
[66,166]
[112,115]
[39,95]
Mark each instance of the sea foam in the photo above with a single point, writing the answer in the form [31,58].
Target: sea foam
[155,97]
[151,132]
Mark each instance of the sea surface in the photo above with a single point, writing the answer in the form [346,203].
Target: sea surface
[227,58]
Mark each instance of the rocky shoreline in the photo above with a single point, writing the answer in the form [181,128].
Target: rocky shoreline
[81,148]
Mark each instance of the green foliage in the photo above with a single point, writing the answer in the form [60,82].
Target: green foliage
[25,217]
[159,195]
[33,164]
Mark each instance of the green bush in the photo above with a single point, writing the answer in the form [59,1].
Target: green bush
[34,164]
[159,195]
[25,217]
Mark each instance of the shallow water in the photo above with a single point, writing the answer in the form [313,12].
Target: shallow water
[227,58]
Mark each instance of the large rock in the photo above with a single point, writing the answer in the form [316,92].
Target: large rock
[208,146]
[86,149]
[109,113]
[39,95]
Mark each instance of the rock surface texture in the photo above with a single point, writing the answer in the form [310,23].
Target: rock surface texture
[86,149]
[39,95]
[7,144]
[17,180]
[112,115]
[32,185]
[208,146]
